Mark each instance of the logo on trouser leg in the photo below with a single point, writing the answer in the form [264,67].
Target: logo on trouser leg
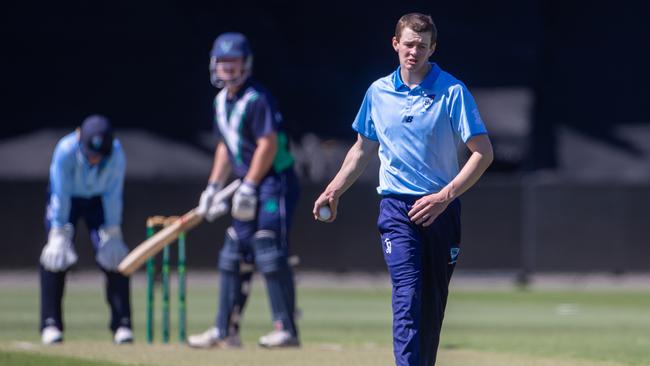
[271,206]
[453,255]
[389,246]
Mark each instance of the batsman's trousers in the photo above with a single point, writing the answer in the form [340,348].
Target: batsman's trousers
[278,197]
[420,261]
[53,283]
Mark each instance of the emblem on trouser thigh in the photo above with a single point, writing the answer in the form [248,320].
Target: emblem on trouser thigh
[453,254]
[389,246]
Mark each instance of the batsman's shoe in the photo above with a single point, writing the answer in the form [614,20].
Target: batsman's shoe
[51,335]
[211,338]
[278,339]
[123,335]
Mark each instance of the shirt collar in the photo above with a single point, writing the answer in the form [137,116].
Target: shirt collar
[426,84]
[241,91]
[83,160]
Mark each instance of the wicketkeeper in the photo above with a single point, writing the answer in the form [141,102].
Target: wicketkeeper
[86,180]
[254,147]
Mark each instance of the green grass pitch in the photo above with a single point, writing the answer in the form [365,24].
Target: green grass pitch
[349,325]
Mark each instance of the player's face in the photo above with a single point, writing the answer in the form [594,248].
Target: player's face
[93,159]
[414,49]
[227,69]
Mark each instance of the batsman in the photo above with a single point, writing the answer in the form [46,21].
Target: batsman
[253,146]
[86,181]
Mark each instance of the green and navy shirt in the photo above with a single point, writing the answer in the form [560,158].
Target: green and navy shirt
[242,120]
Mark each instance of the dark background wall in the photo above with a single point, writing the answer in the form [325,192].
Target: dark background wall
[144,63]
[508,225]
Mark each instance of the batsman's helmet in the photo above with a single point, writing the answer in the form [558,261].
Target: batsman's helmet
[230,45]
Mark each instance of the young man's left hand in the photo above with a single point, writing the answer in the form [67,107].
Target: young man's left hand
[425,210]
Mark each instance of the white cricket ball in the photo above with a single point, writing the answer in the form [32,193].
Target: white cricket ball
[324,213]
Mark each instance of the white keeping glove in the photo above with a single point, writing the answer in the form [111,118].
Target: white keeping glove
[58,254]
[244,202]
[111,249]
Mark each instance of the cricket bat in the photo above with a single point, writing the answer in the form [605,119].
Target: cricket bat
[164,237]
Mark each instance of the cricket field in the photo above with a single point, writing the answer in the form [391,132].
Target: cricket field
[344,322]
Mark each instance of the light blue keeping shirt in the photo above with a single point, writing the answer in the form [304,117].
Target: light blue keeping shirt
[418,130]
[72,176]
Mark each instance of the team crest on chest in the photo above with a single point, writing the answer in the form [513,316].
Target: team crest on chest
[428,100]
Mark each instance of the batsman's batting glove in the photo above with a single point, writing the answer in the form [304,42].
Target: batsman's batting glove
[216,209]
[206,197]
[244,202]
[111,249]
[58,254]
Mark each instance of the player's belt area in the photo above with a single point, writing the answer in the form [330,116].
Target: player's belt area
[406,198]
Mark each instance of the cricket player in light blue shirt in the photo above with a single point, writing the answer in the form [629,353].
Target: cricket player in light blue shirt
[86,182]
[415,119]
[73,175]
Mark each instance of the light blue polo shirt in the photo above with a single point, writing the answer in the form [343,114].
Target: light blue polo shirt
[72,176]
[418,130]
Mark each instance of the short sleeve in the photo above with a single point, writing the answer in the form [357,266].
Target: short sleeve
[215,123]
[262,117]
[363,123]
[464,114]
[112,197]
[61,168]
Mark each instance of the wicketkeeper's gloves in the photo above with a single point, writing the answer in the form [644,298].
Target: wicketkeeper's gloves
[58,253]
[111,248]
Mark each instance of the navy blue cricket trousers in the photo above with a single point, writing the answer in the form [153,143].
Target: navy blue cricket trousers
[53,283]
[420,262]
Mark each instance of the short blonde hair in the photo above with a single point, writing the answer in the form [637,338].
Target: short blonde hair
[418,22]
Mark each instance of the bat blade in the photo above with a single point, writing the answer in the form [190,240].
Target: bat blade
[164,237]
